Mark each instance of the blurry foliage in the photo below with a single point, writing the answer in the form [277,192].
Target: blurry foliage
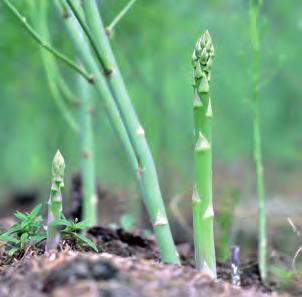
[153,44]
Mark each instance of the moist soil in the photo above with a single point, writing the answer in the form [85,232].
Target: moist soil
[127,265]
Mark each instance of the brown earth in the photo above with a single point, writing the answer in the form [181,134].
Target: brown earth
[127,265]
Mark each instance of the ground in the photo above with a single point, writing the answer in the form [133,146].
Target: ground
[127,265]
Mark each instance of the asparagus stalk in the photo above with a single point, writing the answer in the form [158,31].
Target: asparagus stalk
[55,201]
[203,214]
[39,17]
[87,154]
[254,9]
[147,172]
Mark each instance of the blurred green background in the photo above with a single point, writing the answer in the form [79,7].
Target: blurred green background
[153,45]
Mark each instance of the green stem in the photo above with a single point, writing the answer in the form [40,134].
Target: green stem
[83,51]
[46,46]
[255,41]
[52,73]
[68,95]
[120,15]
[87,154]
[153,199]
[203,213]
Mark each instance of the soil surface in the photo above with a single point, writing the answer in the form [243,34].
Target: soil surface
[127,265]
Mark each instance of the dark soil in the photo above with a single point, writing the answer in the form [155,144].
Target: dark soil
[128,265]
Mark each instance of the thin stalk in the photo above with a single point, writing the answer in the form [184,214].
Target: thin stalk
[55,202]
[39,16]
[203,213]
[153,201]
[90,210]
[45,45]
[254,9]
[119,16]
[69,96]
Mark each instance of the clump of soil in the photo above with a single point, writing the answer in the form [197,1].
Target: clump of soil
[128,265]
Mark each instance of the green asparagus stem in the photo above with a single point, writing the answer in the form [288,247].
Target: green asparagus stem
[44,45]
[120,15]
[152,198]
[39,17]
[167,247]
[254,9]
[203,213]
[84,53]
[55,201]
[87,154]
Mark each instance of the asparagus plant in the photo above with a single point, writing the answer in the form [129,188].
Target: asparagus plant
[123,117]
[87,153]
[203,214]
[55,201]
[254,9]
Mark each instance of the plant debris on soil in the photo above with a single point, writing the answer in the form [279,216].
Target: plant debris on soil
[128,265]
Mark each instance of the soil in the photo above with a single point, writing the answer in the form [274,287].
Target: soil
[128,265]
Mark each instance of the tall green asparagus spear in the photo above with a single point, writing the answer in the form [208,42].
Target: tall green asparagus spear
[55,201]
[254,9]
[203,214]
[117,100]
[87,153]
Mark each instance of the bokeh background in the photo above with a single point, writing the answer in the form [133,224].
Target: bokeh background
[153,45]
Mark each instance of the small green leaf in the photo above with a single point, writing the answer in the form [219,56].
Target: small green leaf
[6,237]
[13,250]
[59,222]
[36,210]
[81,225]
[14,228]
[39,237]
[86,240]
[21,216]
[24,237]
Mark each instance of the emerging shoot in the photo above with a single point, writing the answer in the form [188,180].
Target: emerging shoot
[55,201]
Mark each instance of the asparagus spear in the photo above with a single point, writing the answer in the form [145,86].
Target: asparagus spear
[55,201]
[254,9]
[203,214]
[87,153]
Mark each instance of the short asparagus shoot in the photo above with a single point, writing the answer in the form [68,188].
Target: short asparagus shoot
[55,202]
[203,214]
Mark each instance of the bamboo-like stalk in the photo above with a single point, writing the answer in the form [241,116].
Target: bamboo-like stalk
[55,201]
[254,9]
[90,210]
[203,213]
[152,198]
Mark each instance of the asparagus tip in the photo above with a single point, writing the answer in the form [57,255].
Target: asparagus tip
[58,165]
